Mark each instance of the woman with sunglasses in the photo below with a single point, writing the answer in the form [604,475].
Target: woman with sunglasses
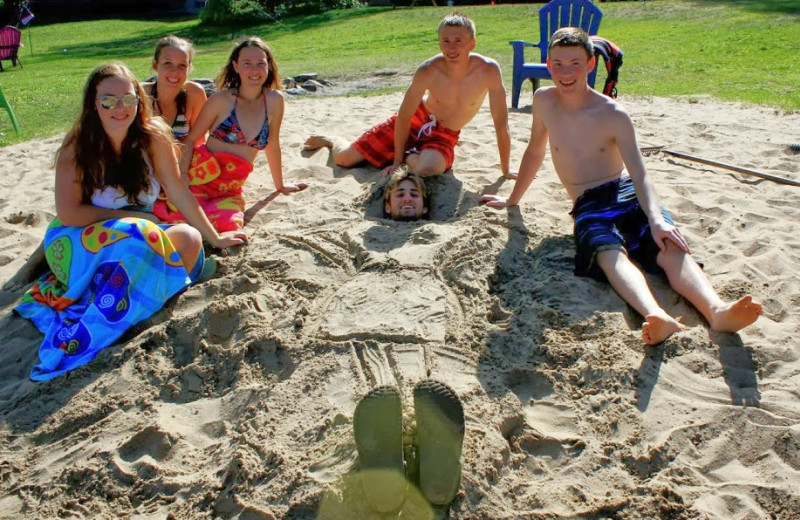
[175,99]
[244,116]
[112,264]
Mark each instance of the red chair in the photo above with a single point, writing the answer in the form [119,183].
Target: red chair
[9,45]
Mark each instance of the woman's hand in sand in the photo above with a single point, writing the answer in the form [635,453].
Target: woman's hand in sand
[663,230]
[228,239]
[494,201]
[293,187]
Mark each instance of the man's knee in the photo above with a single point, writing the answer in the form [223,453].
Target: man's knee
[347,157]
[427,162]
[671,255]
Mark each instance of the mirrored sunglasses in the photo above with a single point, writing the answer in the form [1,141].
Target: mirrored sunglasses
[128,100]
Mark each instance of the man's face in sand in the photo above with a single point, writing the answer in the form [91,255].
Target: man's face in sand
[455,42]
[569,67]
[405,202]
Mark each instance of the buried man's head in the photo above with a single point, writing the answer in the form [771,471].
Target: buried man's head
[404,197]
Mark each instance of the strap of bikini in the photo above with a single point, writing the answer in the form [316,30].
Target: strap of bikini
[154,96]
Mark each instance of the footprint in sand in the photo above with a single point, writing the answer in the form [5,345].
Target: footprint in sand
[540,404]
[546,430]
[151,442]
[141,456]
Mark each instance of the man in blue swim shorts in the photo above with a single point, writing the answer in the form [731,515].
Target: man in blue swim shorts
[619,222]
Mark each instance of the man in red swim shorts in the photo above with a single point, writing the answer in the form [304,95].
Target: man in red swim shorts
[445,94]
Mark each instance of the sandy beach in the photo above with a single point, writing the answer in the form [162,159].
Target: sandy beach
[236,400]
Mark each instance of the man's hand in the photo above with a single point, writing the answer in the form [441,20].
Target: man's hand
[662,231]
[495,201]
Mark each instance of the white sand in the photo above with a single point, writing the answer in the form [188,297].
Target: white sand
[236,400]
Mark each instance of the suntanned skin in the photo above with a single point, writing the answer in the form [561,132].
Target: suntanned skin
[248,99]
[592,141]
[453,86]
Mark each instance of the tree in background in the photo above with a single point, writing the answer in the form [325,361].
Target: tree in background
[245,12]
[9,11]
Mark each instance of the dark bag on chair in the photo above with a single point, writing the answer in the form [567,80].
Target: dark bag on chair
[612,56]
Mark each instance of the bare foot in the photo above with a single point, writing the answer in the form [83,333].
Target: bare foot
[658,328]
[736,315]
[315,142]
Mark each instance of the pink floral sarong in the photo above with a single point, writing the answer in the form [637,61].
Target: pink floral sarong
[216,180]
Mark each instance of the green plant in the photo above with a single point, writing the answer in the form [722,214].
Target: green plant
[9,10]
[233,12]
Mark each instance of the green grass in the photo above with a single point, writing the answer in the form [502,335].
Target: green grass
[732,50]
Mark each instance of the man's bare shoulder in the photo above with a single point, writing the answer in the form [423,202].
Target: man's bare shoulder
[481,60]
[432,63]
[609,108]
[544,96]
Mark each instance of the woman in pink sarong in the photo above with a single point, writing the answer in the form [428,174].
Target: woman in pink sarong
[243,117]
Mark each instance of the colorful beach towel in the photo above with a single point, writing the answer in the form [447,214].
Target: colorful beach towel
[105,278]
[216,179]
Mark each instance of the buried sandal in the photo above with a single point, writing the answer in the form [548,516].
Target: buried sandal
[440,433]
[378,431]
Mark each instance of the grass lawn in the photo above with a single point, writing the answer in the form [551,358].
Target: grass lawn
[732,50]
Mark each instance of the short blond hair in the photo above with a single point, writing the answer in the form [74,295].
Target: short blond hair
[456,19]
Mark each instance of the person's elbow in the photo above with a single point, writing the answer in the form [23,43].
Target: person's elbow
[72,213]
[69,217]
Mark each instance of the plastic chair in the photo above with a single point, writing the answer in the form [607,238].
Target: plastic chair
[554,15]
[9,46]
[5,104]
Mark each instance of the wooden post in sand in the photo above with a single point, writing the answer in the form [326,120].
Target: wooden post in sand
[748,171]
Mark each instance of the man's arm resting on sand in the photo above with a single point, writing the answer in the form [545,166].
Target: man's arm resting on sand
[402,125]
[645,188]
[531,162]
[499,110]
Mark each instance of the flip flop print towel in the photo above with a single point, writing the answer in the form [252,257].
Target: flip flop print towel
[104,279]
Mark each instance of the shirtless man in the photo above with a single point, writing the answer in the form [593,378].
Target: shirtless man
[616,210]
[425,130]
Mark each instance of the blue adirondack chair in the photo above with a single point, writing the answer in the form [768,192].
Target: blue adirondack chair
[554,15]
